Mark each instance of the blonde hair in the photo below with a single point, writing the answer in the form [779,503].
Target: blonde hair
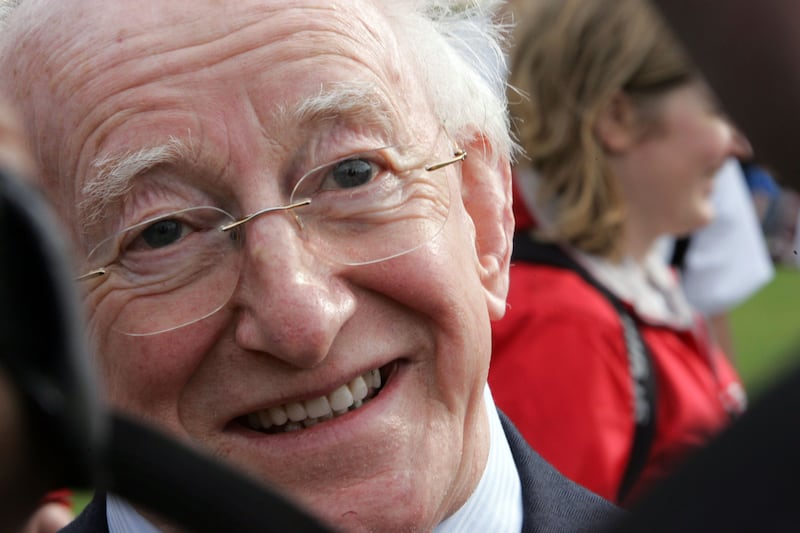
[571,57]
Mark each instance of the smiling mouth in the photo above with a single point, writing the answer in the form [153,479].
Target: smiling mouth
[295,416]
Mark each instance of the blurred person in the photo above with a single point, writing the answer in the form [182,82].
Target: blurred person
[746,479]
[600,360]
[289,260]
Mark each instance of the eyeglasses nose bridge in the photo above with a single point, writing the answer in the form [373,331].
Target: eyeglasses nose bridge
[266,210]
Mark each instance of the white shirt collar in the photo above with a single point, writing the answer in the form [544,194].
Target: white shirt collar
[650,287]
[122,518]
[496,504]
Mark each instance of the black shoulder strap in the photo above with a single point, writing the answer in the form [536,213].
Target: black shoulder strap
[678,259]
[640,361]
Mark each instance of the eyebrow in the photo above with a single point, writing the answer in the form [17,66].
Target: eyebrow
[115,174]
[359,103]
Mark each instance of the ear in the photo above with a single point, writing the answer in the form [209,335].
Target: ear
[616,124]
[486,193]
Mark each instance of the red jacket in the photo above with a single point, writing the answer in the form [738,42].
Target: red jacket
[560,372]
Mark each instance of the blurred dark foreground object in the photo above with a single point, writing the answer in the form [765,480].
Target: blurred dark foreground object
[62,434]
[744,481]
[55,422]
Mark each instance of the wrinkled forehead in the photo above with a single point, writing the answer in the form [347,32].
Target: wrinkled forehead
[97,48]
[94,25]
[83,57]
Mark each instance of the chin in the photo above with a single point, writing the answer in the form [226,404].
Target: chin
[702,221]
[352,510]
[707,215]
[702,215]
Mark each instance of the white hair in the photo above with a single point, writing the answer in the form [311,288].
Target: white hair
[6,7]
[458,45]
[115,174]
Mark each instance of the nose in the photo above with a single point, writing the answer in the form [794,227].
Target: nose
[740,146]
[289,304]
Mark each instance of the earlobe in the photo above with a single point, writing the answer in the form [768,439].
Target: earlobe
[486,192]
[615,125]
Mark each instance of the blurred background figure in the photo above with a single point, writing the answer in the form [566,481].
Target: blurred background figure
[764,191]
[600,360]
[782,236]
[746,480]
[727,261]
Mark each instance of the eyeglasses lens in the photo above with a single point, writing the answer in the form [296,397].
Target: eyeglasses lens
[182,267]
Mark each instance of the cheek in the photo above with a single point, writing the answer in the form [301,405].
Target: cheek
[147,376]
[465,348]
[440,283]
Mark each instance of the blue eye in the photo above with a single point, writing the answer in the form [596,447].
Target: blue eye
[352,173]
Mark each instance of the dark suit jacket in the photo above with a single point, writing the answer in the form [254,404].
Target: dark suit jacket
[551,502]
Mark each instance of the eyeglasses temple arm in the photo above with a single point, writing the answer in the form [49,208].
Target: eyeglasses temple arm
[96,273]
[459,155]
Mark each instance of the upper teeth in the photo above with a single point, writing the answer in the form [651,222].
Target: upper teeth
[296,415]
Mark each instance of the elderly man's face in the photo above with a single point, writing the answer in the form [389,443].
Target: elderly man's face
[235,94]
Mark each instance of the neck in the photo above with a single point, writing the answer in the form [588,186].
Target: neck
[479,456]
[639,236]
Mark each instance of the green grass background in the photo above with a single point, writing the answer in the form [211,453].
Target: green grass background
[766,331]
